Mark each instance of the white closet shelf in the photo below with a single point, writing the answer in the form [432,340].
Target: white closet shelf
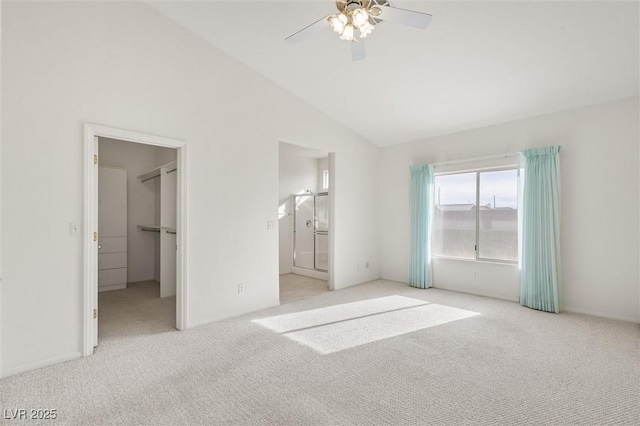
[172,167]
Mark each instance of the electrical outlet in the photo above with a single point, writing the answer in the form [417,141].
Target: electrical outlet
[475,274]
[240,288]
[367,264]
[270,224]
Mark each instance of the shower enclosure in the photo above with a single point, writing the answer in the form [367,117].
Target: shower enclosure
[311,231]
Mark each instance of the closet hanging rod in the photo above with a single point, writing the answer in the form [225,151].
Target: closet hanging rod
[153,177]
[144,180]
[149,228]
[311,194]
[172,167]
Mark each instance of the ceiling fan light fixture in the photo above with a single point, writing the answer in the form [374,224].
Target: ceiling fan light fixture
[349,33]
[359,17]
[366,29]
[355,15]
[338,22]
[364,16]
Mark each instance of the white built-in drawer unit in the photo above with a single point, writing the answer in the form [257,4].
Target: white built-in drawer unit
[112,245]
[112,279]
[112,229]
[112,263]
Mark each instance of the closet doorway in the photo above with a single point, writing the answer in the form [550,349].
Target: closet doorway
[134,245]
[306,207]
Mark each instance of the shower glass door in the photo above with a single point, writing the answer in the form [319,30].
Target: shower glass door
[303,253]
[321,232]
[311,231]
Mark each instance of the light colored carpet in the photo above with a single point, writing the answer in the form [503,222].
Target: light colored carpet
[507,365]
[339,327]
[296,287]
[137,310]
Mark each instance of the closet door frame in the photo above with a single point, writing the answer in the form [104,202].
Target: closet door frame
[90,244]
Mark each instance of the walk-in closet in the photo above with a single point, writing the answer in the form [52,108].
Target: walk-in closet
[136,238]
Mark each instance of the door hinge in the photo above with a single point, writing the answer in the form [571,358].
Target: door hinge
[95,313]
[95,159]
[95,236]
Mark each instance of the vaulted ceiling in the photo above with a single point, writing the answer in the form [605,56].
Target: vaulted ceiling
[479,63]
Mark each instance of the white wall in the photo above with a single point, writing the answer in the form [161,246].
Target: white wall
[164,156]
[323,164]
[1,177]
[124,65]
[298,173]
[600,205]
[137,159]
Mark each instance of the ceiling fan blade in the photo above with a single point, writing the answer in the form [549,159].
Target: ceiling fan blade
[357,51]
[307,31]
[406,17]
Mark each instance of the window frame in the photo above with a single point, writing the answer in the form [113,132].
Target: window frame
[477,171]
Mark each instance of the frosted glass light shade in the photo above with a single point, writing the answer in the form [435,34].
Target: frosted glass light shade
[359,17]
[348,33]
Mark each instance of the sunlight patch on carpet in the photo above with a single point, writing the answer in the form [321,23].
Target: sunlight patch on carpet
[336,328]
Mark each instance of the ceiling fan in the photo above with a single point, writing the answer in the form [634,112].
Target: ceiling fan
[356,19]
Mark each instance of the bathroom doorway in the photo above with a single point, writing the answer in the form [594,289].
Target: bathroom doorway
[305,221]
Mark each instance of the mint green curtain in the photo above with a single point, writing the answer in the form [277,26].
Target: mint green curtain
[421,208]
[540,274]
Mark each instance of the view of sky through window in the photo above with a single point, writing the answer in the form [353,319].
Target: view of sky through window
[498,189]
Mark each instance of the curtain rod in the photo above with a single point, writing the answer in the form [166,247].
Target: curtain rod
[468,160]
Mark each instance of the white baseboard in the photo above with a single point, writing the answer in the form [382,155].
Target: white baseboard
[196,324]
[112,287]
[366,281]
[310,273]
[41,364]
[478,293]
[601,315]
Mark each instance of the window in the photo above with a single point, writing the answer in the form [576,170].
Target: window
[325,179]
[454,219]
[476,215]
